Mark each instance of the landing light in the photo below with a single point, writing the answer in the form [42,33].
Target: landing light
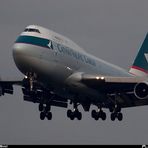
[26,77]
[102,78]
[98,78]
[68,68]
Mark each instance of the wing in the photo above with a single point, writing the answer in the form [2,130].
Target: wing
[34,94]
[124,89]
[6,86]
[109,84]
[121,89]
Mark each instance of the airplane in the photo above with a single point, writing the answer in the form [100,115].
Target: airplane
[57,72]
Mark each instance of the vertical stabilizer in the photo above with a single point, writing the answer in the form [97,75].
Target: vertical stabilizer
[140,66]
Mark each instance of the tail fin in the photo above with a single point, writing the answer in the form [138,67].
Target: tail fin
[140,66]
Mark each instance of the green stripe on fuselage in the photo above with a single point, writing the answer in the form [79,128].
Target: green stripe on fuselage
[58,47]
[33,40]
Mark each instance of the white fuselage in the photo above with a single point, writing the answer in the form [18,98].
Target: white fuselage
[54,58]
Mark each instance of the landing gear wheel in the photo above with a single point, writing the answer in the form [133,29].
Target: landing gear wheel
[103,116]
[120,116]
[42,115]
[79,115]
[72,116]
[69,113]
[113,116]
[96,117]
[93,113]
[49,115]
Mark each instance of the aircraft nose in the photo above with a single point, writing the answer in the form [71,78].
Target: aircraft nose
[22,46]
[19,56]
[25,54]
[18,49]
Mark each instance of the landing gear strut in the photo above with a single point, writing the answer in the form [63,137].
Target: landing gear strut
[29,80]
[117,113]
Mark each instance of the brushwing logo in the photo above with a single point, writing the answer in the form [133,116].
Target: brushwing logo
[49,44]
[146,56]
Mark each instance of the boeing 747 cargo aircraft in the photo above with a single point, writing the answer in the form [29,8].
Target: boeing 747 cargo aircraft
[57,72]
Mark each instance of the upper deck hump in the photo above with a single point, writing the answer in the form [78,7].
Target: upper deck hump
[58,38]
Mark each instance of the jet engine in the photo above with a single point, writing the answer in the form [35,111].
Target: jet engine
[141,90]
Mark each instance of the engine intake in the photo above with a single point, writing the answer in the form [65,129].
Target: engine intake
[141,90]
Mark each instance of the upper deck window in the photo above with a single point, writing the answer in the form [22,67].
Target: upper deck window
[31,30]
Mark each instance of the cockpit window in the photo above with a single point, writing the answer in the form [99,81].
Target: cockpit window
[31,30]
[26,30]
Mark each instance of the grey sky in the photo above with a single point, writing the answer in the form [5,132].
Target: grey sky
[110,29]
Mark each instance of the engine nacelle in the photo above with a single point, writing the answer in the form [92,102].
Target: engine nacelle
[141,90]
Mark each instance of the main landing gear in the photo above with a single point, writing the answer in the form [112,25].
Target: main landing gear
[45,111]
[75,113]
[98,114]
[116,113]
